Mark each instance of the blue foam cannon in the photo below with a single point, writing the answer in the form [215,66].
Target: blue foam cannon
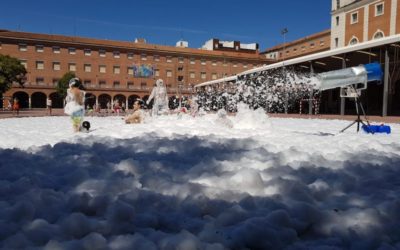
[351,82]
[357,76]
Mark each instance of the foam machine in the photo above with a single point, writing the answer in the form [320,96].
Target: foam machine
[351,82]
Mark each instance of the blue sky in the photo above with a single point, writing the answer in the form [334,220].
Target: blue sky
[165,22]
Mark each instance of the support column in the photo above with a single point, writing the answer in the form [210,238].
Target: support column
[310,101]
[386,84]
[342,99]
[30,102]
[126,103]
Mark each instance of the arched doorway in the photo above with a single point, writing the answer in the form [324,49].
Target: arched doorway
[38,100]
[131,100]
[90,100]
[173,102]
[57,101]
[120,99]
[23,99]
[103,100]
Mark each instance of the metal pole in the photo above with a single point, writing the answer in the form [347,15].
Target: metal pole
[342,99]
[284,31]
[386,84]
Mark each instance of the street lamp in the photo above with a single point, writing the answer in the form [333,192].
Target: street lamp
[283,32]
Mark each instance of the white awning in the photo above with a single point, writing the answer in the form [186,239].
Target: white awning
[316,56]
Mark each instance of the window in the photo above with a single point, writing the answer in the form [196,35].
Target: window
[245,65]
[72,51]
[87,68]
[180,68]
[379,9]
[102,68]
[56,50]
[143,85]
[169,59]
[378,35]
[156,58]
[235,64]
[203,62]
[72,67]
[169,73]
[214,63]
[294,50]
[337,21]
[87,83]
[130,55]
[321,43]
[353,41]
[116,70]
[102,53]
[180,60]
[336,42]
[39,65]
[354,18]
[312,45]
[180,78]
[22,47]
[116,84]
[55,81]
[39,80]
[337,4]
[116,54]
[214,76]
[102,84]
[87,52]
[56,66]
[0,45]
[157,72]
[203,75]
[24,63]
[192,61]
[130,71]
[225,64]
[39,48]
[143,57]
[130,85]
[192,75]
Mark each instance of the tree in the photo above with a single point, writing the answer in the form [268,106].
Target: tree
[62,84]
[11,70]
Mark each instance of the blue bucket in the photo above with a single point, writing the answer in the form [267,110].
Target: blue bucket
[377,129]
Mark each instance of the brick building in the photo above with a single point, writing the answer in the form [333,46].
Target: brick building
[307,45]
[110,70]
[356,21]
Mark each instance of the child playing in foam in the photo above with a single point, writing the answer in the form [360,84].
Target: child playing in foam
[75,103]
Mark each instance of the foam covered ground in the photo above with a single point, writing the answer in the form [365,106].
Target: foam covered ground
[191,183]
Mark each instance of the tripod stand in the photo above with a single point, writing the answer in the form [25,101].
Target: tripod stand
[359,106]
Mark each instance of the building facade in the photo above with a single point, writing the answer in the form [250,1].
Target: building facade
[356,21]
[308,45]
[114,70]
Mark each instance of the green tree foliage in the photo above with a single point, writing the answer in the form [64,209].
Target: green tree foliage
[62,84]
[11,70]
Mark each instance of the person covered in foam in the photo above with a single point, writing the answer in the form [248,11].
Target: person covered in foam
[137,116]
[75,103]
[160,96]
[223,120]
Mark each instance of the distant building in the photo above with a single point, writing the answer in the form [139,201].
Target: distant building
[308,45]
[217,45]
[113,70]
